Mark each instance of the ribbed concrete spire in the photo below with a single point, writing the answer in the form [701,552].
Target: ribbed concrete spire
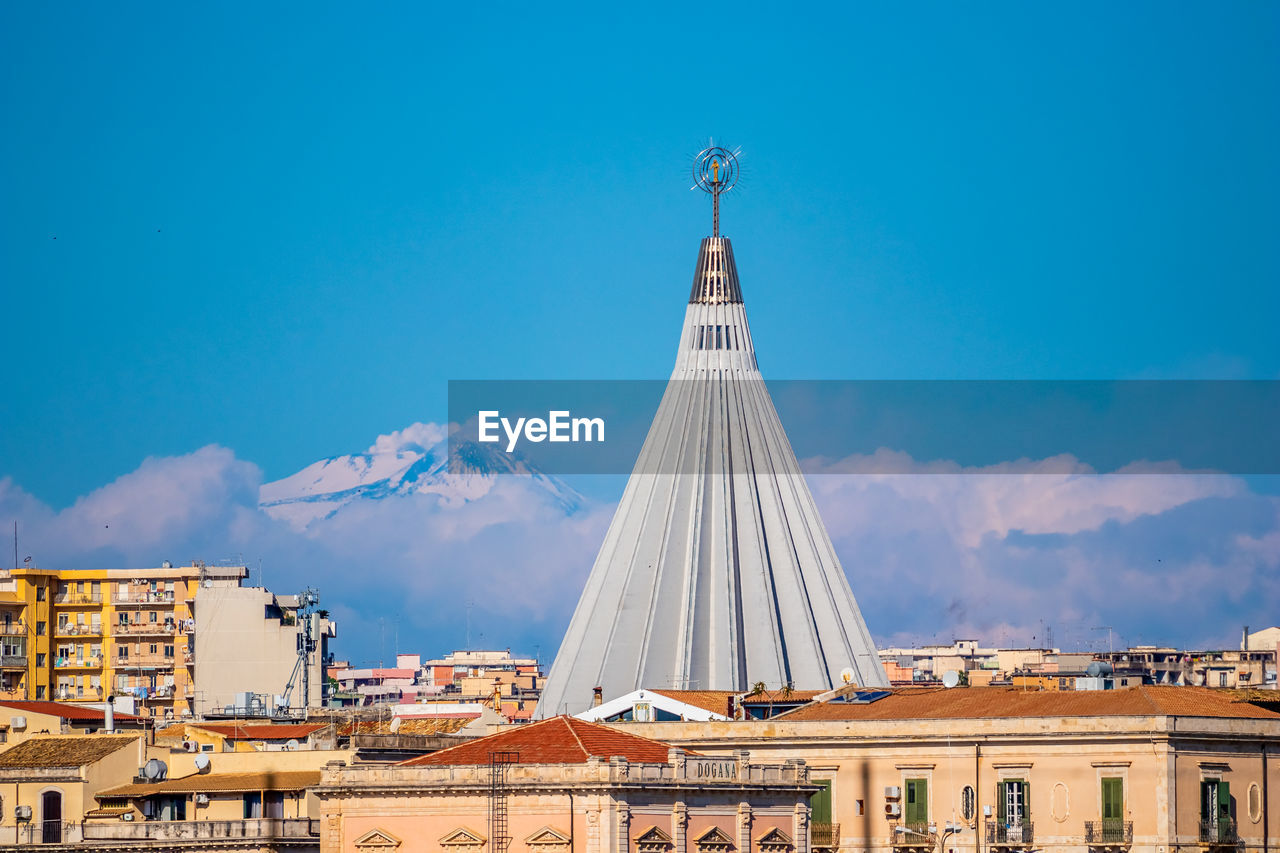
[715,278]
[716,572]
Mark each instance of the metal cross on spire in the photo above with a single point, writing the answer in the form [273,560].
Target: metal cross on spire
[715,171]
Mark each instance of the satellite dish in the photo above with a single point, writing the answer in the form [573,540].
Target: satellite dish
[155,770]
[847,674]
[202,762]
[208,584]
[291,744]
[950,678]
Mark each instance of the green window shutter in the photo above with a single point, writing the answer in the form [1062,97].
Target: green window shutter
[1224,799]
[1026,801]
[1001,814]
[820,803]
[1112,798]
[917,801]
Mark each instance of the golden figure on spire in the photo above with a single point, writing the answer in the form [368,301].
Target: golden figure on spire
[715,171]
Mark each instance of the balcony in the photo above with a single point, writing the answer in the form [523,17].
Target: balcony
[142,597]
[144,629]
[266,828]
[909,835]
[1109,832]
[13,661]
[824,835]
[77,663]
[13,629]
[78,599]
[144,662]
[70,629]
[1009,835]
[1220,832]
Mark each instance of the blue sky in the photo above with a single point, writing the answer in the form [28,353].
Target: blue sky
[283,230]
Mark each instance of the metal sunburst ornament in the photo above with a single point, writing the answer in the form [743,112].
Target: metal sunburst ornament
[715,171]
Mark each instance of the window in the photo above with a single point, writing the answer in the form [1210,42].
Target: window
[39,593]
[1215,810]
[968,803]
[40,691]
[123,620]
[859,808]
[151,616]
[274,806]
[1222,679]
[917,805]
[168,651]
[151,649]
[1012,801]
[40,656]
[252,806]
[39,629]
[1112,799]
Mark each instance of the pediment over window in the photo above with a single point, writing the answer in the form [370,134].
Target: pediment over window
[462,838]
[547,839]
[377,839]
[653,840]
[774,840]
[714,840]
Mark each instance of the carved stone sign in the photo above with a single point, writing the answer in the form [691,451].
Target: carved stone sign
[710,769]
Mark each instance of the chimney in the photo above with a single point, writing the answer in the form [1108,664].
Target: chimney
[109,715]
[1244,643]
[597,697]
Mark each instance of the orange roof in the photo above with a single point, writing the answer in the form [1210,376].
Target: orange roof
[780,696]
[64,750]
[203,783]
[260,731]
[408,726]
[68,711]
[939,703]
[558,740]
[715,701]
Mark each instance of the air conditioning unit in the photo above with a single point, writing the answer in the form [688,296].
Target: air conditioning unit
[22,812]
[892,809]
[892,792]
[17,723]
[202,799]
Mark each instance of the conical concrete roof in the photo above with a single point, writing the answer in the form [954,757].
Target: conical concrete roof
[716,572]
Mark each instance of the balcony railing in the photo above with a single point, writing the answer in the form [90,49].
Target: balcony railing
[78,663]
[913,834]
[13,629]
[141,597]
[13,661]
[146,628]
[1220,831]
[144,662]
[1110,832]
[825,835]
[1009,835]
[78,598]
[166,830]
[71,629]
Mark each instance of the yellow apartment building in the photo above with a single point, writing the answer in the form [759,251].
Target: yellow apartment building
[83,635]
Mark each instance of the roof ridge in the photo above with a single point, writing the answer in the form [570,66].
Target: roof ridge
[585,752]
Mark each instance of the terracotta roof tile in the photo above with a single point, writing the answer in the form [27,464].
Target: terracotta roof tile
[559,740]
[715,701]
[261,731]
[63,751]
[780,696]
[67,711]
[1007,702]
[408,726]
[202,783]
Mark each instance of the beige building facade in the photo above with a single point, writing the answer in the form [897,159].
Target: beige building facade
[1147,769]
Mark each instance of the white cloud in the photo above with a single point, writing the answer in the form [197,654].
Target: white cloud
[984,552]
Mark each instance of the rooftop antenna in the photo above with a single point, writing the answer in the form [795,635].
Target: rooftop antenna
[715,171]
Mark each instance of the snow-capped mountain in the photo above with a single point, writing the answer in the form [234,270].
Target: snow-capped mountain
[412,461]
